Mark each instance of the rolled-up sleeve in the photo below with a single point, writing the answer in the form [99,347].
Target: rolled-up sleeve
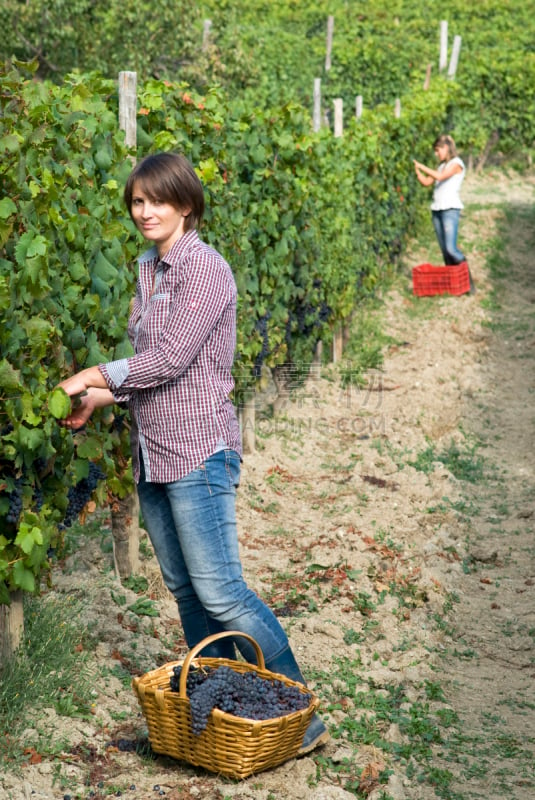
[115,374]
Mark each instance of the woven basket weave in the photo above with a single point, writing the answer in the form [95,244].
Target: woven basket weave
[229,745]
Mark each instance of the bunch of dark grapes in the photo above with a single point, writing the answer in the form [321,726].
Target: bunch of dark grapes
[38,498]
[194,679]
[309,317]
[119,421]
[15,496]
[242,694]
[15,503]
[79,495]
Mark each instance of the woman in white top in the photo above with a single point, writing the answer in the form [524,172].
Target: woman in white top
[446,206]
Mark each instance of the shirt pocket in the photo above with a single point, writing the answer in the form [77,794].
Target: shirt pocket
[153,318]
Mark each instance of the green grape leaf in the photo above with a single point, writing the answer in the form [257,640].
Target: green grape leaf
[7,207]
[59,403]
[30,438]
[90,447]
[23,578]
[9,377]
[28,537]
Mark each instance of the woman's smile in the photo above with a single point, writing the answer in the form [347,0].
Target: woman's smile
[159,222]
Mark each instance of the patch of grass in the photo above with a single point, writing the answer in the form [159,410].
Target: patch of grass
[137,583]
[371,711]
[364,350]
[464,464]
[258,503]
[50,669]
[95,526]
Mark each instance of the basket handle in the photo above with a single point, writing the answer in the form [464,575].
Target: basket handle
[208,640]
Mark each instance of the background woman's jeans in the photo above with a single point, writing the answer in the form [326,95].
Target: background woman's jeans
[192,527]
[446,225]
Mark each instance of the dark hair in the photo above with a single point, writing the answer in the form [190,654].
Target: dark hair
[444,139]
[168,178]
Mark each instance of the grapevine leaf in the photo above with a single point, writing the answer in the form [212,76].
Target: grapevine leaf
[22,577]
[38,330]
[123,350]
[30,438]
[28,414]
[28,537]
[9,377]
[59,403]
[90,447]
[10,144]
[7,207]
[28,246]
[104,270]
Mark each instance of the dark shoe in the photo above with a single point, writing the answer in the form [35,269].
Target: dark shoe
[316,735]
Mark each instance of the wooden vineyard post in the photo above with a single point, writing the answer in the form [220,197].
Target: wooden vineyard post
[358,106]
[315,367]
[125,531]
[247,414]
[338,344]
[338,338]
[128,107]
[338,117]
[397,108]
[11,626]
[456,49]
[125,511]
[206,30]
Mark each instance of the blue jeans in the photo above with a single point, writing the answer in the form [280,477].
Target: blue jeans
[446,224]
[192,526]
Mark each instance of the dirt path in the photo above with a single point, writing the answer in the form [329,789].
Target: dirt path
[391,526]
[492,684]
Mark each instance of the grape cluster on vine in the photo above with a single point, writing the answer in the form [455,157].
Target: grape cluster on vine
[15,495]
[15,503]
[80,494]
[242,694]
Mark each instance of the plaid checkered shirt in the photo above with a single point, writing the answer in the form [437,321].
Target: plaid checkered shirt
[177,384]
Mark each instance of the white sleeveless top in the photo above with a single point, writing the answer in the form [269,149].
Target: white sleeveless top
[446,194]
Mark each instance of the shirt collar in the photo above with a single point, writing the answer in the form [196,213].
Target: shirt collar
[175,253]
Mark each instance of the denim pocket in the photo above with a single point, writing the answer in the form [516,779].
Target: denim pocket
[233,465]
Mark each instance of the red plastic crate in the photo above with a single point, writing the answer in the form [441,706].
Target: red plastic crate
[429,280]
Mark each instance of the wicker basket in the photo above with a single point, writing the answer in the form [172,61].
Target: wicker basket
[428,280]
[229,745]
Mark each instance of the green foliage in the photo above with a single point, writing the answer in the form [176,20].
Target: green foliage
[268,54]
[88,35]
[381,51]
[63,271]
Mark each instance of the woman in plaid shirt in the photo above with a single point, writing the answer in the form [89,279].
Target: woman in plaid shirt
[186,444]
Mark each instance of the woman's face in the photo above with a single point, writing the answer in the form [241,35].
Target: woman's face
[159,222]
[442,152]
